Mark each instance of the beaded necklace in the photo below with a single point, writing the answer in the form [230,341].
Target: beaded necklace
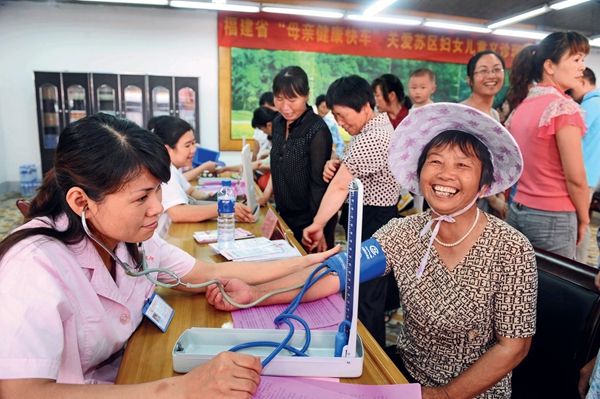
[463,237]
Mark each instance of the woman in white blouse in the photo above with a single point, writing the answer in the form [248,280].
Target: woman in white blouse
[178,138]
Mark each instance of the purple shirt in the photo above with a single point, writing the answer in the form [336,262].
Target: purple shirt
[63,315]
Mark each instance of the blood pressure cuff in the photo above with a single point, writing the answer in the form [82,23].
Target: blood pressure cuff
[372,262]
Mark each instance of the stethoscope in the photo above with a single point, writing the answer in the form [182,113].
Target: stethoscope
[130,271]
[282,318]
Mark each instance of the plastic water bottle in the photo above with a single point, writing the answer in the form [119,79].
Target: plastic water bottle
[24,179]
[28,180]
[27,176]
[226,219]
[32,175]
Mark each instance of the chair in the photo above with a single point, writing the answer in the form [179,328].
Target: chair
[23,206]
[567,337]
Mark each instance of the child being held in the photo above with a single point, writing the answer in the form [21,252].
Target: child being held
[421,85]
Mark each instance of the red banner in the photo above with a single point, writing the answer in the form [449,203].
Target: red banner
[283,32]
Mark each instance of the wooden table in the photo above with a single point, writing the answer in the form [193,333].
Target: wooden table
[148,353]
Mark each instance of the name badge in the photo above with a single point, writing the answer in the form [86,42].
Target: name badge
[158,311]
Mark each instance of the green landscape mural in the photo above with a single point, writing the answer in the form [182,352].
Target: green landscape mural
[252,73]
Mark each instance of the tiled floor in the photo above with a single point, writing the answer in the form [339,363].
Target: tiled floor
[10,217]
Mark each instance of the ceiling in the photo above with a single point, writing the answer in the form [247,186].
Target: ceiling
[584,18]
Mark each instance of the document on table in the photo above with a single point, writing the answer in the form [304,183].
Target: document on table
[255,249]
[306,388]
[325,313]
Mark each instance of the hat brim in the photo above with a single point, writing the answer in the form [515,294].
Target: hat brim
[425,123]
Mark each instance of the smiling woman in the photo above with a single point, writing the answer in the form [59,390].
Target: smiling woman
[467,280]
[443,260]
[485,76]
[452,154]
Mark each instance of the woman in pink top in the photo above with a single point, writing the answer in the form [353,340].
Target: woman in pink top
[69,304]
[550,206]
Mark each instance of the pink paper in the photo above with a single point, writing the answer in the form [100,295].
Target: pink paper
[238,186]
[305,388]
[269,224]
[325,313]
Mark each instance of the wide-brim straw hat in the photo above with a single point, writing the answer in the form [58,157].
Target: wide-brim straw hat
[425,123]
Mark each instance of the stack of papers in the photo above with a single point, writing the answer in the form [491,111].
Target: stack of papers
[256,249]
[211,235]
[307,388]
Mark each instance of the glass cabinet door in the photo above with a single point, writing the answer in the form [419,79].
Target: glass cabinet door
[161,100]
[50,116]
[186,110]
[76,102]
[134,106]
[187,102]
[106,100]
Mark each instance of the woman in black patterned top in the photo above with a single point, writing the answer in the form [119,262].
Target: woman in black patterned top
[301,146]
[351,101]
[467,280]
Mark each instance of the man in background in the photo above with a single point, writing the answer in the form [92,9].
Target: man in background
[588,96]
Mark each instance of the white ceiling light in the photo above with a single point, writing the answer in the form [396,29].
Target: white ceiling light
[595,42]
[566,4]
[385,20]
[378,6]
[308,12]
[455,26]
[240,7]
[143,2]
[520,17]
[526,34]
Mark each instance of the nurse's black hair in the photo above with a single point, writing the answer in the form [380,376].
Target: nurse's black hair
[99,154]
[469,145]
[170,129]
[350,91]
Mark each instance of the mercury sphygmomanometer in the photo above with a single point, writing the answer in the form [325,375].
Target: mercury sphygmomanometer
[317,353]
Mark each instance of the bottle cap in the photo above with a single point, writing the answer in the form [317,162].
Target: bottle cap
[226,183]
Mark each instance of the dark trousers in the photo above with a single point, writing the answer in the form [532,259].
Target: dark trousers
[391,351]
[372,294]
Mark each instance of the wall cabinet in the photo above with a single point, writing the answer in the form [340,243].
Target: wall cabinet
[64,97]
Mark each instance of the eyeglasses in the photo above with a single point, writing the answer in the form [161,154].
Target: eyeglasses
[487,72]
